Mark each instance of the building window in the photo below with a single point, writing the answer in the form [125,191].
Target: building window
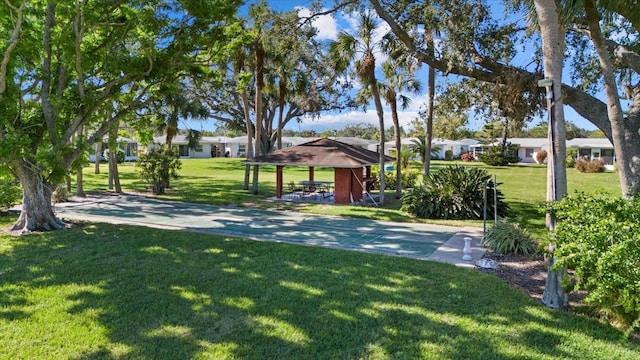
[528,152]
[585,154]
[183,150]
[198,148]
[131,149]
[242,149]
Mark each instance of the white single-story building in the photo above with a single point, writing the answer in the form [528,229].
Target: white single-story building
[527,148]
[129,146]
[594,149]
[457,147]
[208,146]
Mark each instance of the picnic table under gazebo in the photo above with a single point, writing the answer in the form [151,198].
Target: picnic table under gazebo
[351,164]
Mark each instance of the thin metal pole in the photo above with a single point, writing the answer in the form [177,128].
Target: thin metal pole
[495,200]
[552,152]
[484,209]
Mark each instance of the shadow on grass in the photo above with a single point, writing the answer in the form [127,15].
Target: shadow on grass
[164,294]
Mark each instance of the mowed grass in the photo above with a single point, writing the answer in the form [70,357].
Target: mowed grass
[220,181]
[119,292]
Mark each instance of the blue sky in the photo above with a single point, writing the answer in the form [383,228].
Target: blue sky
[328,28]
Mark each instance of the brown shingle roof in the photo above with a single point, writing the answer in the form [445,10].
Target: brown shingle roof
[321,152]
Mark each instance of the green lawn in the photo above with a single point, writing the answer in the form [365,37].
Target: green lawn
[119,292]
[220,180]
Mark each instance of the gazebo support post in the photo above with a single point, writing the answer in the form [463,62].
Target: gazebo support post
[279,181]
[311,173]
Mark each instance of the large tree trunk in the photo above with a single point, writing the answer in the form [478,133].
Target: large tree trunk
[630,169]
[37,212]
[554,295]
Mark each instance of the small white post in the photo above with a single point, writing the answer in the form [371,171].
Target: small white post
[467,249]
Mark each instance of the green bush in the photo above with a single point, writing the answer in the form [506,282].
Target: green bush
[599,238]
[157,167]
[570,162]
[409,179]
[508,237]
[10,191]
[586,166]
[500,155]
[572,155]
[448,155]
[454,192]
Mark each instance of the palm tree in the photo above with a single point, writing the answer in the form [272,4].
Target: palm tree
[553,52]
[357,54]
[419,146]
[400,77]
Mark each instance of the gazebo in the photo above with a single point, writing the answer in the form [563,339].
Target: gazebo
[351,164]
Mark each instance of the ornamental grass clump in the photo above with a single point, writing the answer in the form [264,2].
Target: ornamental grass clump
[508,237]
[587,166]
[455,192]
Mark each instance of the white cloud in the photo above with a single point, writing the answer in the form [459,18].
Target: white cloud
[326,25]
[340,120]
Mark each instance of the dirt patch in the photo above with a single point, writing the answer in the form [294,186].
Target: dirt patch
[528,274]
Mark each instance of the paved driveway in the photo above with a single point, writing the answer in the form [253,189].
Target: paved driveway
[440,243]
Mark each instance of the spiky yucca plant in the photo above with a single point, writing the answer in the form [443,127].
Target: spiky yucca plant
[454,192]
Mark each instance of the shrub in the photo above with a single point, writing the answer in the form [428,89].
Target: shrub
[541,156]
[409,179]
[500,155]
[468,156]
[586,166]
[570,162]
[599,238]
[157,167]
[448,155]
[508,237]
[10,191]
[454,192]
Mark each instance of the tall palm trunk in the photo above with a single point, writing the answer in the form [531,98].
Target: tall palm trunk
[554,295]
[393,104]
[249,149]
[373,84]
[260,53]
[431,86]
[281,100]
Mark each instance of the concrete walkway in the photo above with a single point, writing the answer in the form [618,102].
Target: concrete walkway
[420,241]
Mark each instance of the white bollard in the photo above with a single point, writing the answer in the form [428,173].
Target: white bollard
[467,249]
